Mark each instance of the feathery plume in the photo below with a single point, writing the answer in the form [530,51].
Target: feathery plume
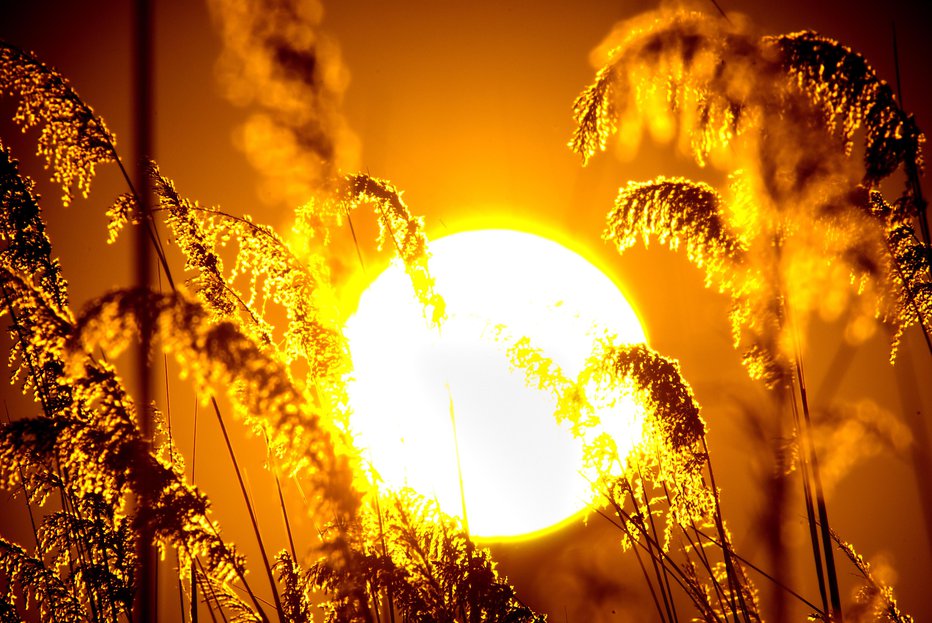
[852,96]
[73,140]
[405,231]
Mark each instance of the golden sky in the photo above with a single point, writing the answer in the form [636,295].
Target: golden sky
[466,106]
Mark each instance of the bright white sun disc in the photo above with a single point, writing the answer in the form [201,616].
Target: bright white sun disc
[420,395]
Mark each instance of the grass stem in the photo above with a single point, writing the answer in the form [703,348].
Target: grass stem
[252,517]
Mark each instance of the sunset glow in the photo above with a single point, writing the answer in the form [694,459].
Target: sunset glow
[347,317]
[520,469]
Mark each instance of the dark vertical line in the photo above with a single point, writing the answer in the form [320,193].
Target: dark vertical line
[808,497]
[147,591]
[835,614]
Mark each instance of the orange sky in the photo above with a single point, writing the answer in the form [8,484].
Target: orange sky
[466,106]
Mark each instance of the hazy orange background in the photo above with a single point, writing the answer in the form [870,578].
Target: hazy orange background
[466,106]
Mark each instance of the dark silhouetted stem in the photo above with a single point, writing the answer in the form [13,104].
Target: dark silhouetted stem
[830,572]
[633,539]
[734,581]
[766,575]
[655,557]
[810,507]
[249,508]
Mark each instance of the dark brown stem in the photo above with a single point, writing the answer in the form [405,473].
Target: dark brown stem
[734,581]
[252,514]
[810,507]
[650,585]
[830,571]
[654,556]
[769,577]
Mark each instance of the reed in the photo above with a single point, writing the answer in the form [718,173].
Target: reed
[251,322]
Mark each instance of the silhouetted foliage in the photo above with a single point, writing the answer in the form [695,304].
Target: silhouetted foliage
[256,325]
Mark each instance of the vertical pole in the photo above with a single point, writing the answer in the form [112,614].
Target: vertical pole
[145,605]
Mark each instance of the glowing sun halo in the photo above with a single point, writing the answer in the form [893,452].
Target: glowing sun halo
[520,470]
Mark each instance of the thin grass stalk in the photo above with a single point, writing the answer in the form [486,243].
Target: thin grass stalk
[459,468]
[243,589]
[731,572]
[212,594]
[352,229]
[697,546]
[720,11]
[810,507]
[69,507]
[62,500]
[197,579]
[802,433]
[653,528]
[831,572]
[677,574]
[194,445]
[647,580]
[654,557]
[252,517]
[242,578]
[152,232]
[769,577]
[281,500]
[22,484]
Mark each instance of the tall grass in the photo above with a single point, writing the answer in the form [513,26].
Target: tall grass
[252,321]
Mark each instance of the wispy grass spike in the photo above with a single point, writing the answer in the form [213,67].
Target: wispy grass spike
[852,96]
[73,140]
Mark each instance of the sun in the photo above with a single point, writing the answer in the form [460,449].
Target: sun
[440,410]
